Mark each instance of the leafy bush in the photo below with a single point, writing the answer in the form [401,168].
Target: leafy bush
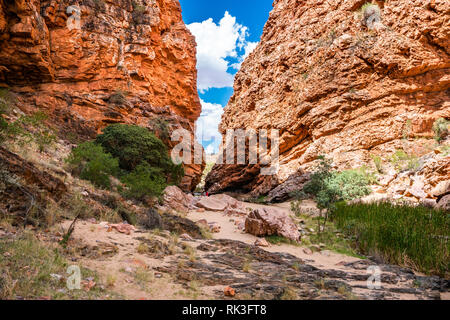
[351,184]
[133,154]
[40,133]
[413,236]
[93,164]
[329,187]
[5,101]
[440,128]
[144,181]
[134,146]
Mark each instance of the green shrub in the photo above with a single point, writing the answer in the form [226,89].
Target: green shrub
[328,187]
[440,128]
[403,161]
[413,236]
[144,181]
[93,164]
[351,184]
[134,145]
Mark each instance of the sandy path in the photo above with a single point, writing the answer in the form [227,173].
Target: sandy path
[229,230]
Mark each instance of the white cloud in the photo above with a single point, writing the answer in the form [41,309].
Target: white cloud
[211,149]
[249,47]
[208,125]
[215,44]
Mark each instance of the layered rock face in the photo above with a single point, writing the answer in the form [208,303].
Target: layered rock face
[340,81]
[90,63]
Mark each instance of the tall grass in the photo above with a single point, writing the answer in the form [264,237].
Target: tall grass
[413,236]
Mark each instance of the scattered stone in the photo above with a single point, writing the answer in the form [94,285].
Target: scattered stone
[186,237]
[203,223]
[262,242]
[214,227]
[179,225]
[308,251]
[211,204]
[229,292]
[122,228]
[441,189]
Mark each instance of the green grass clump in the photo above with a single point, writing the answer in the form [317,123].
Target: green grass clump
[413,236]
[278,240]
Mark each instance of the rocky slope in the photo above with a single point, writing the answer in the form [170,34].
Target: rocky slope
[336,84]
[130,62]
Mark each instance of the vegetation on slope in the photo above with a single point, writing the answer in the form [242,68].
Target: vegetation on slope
[131,153]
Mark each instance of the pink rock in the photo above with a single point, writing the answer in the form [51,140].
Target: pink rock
[177,200]
[270,221]
[215,227]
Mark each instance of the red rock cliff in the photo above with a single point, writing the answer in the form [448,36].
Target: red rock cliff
[337,82]
[129,62]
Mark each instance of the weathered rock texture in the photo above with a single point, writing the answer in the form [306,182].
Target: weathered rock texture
[268,222]
[335,87]
[130,62]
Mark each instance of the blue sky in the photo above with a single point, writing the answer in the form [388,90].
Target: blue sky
[226,33]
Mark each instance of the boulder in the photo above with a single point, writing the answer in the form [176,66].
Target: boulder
[222,203]
[441,189]
[270,221]
[175,199]
[151,220]
[211,204]
[444,203]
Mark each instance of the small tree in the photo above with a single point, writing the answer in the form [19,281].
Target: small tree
[329,187]
[324,193]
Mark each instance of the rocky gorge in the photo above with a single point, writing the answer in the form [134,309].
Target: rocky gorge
[350,85]
[366,85]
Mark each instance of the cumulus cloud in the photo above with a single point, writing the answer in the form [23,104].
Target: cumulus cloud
[215,44]
[208,125]
[249,47]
